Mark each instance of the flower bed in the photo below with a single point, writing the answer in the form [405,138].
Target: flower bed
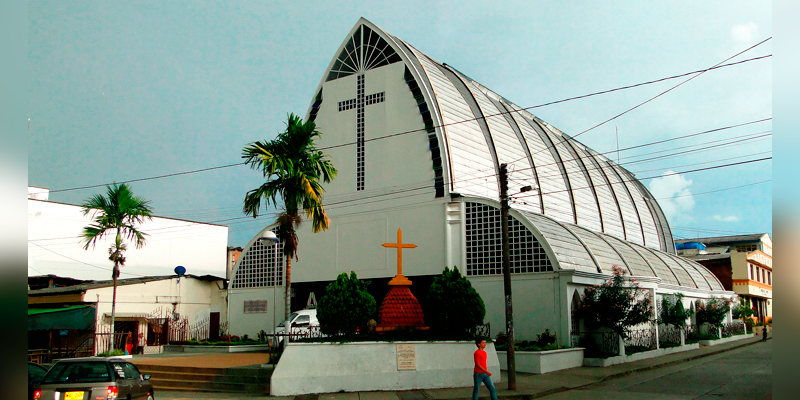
[542,362]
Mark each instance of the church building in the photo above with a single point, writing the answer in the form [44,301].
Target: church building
[418,146]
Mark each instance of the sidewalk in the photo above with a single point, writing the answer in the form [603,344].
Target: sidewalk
[529,386]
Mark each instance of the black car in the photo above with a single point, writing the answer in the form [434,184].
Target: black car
[35,374]
[93,378]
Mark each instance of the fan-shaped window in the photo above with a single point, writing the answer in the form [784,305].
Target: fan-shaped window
[259,268]
[485,249]
[365,50]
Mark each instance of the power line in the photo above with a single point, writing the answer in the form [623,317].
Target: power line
[701,72]
[715,191]
[78,261]
[440,126]
[656,176]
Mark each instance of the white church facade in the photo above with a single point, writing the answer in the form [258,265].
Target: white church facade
[418,147]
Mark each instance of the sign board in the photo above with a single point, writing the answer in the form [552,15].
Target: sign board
[406,357]
[255,306]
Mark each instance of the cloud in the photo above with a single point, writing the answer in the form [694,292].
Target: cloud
[673,194]
[729,218]
[744,33]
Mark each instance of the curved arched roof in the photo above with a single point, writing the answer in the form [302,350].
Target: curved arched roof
[581,249]
[472,130]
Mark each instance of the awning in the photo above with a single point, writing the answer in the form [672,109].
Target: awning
[74,317]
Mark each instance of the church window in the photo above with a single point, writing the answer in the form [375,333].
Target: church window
[365,50]
[484,244]
[259,268]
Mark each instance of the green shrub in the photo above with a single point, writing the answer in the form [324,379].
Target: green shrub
[672,312]
[617,304]
[454,306]
[546,338]
[544,341]
[345,306]
[713,311]
[742,311]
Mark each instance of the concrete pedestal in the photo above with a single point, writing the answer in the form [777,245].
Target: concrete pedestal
[368,366]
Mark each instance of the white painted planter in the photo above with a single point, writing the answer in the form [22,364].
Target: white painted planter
[607,362]
[542,362]
[215,349]
[724,340]
[368,366]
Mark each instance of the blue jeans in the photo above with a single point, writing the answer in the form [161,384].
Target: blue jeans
[486,381]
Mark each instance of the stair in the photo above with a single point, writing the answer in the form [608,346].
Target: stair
[219,380]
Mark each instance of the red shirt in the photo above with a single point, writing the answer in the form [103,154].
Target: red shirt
[480,359]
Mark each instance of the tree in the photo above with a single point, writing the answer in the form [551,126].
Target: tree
[293,168]
[454,306]
[118,213]
[672,312]
[713,311]
[345,305]
[743,311]
[618,304]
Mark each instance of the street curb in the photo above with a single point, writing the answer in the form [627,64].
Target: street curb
[625,373]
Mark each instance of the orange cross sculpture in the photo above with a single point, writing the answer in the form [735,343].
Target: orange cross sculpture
[399,279]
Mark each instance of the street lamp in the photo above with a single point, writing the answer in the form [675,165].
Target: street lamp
[271,236]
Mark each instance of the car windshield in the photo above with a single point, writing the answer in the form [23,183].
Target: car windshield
[78,372]
[291,318]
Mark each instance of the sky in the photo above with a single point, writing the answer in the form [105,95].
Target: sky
[122,91]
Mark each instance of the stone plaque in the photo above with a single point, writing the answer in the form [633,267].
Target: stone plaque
[255,306]
[406,357]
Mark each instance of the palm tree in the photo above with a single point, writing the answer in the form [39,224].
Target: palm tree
[116,213]
[293,168]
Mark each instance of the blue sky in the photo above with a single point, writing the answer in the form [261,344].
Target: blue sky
[128,90]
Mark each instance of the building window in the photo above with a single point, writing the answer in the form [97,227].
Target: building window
[751,272]
[746,248]
[365,50]
[258,267]
[484,244]
[769,278]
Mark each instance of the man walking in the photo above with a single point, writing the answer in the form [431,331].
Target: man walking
[481,371]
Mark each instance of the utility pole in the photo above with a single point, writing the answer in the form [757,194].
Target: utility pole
[511,362]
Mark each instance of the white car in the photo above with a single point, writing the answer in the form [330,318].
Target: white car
[302,323]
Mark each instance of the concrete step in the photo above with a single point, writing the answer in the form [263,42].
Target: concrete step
[220,380]
[209,386]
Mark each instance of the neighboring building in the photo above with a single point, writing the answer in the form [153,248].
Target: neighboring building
[742,263]
[418,146]
[230,261]
[192,304]
[54,246]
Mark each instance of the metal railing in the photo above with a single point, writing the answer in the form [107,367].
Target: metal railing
[691,332]
[642,337]
[733,328]
[669,334]
[597,343]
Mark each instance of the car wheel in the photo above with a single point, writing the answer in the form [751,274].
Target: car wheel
[150,397]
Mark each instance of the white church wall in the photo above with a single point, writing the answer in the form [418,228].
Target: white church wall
[394,164]
[354,243]
[250,323]
[537,303]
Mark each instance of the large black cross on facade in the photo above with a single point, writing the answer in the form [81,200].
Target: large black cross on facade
[359,103]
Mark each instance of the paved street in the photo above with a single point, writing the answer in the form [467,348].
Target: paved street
[744,373]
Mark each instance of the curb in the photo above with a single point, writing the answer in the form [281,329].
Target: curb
[549,392]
